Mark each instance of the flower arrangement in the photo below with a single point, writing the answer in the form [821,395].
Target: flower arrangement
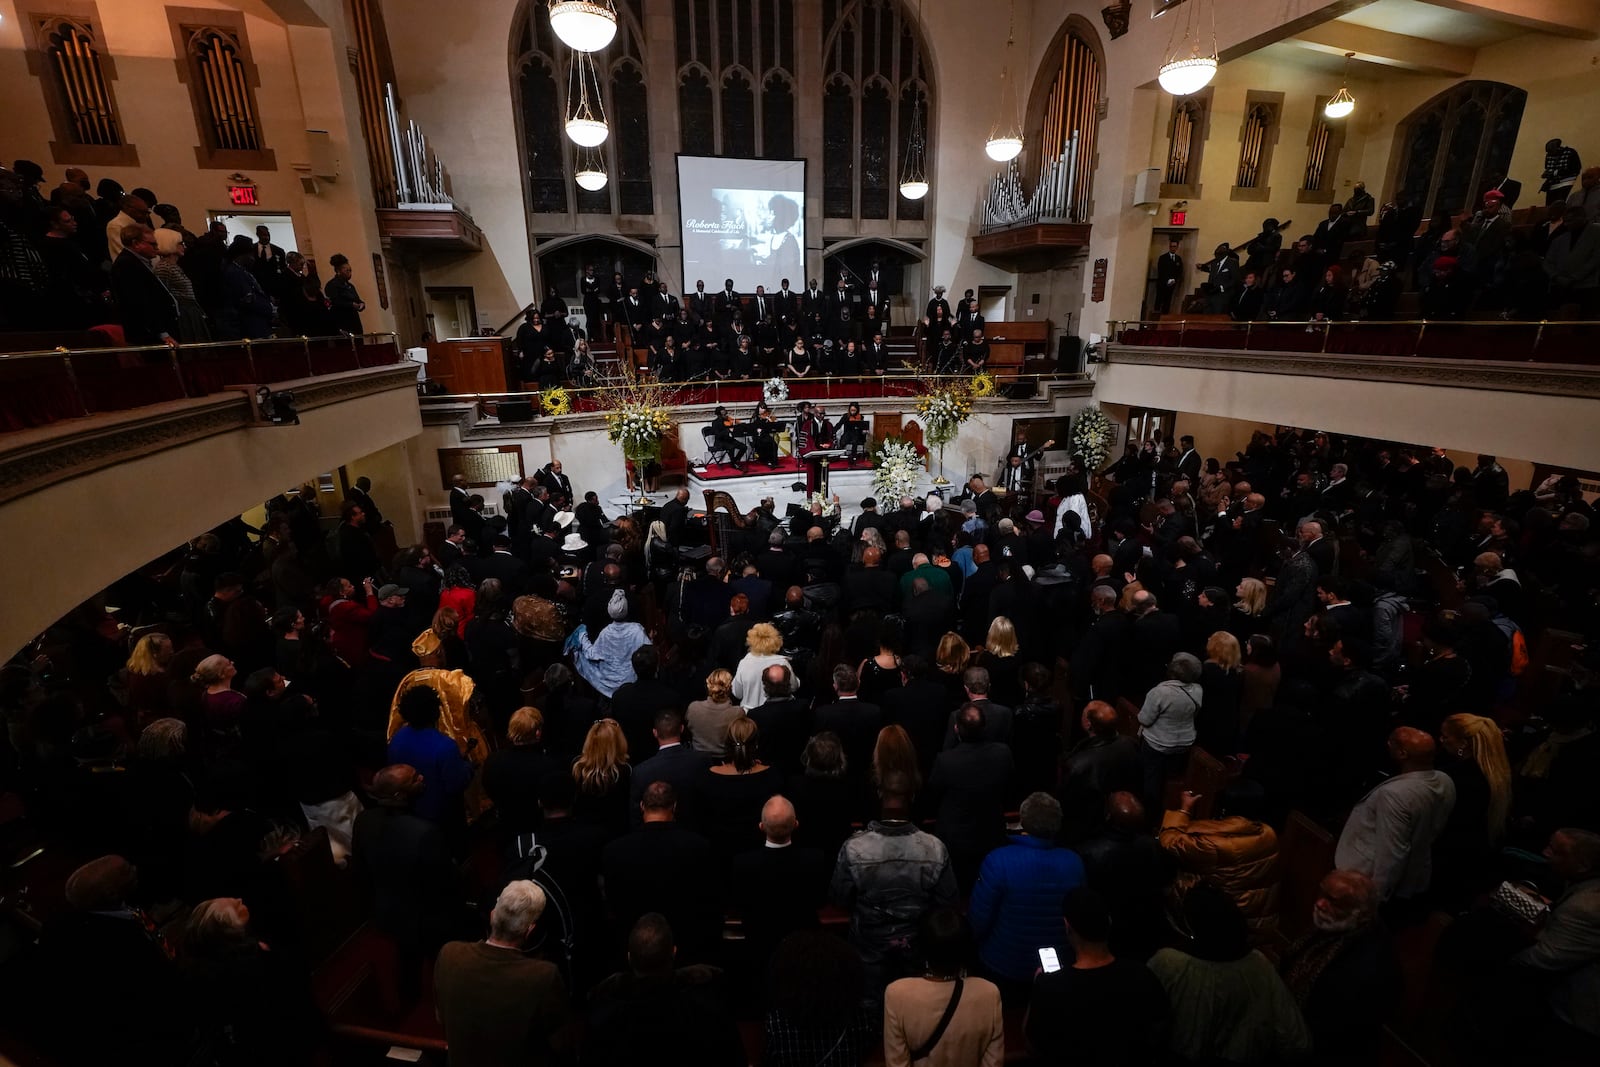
[556,401]
[982,385]
[897,468]
[943,410]
[830,505]
[1093,433]
[775,391]
[638,429]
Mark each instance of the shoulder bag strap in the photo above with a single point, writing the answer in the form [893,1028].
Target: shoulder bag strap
[926,1048]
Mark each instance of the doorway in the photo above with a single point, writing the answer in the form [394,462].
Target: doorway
[1159,240]
[452,312]
[281,225]
[899,272]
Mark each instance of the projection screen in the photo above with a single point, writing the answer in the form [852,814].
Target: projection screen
[742,219]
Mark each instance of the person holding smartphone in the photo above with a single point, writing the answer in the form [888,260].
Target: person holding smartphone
[1094,1008]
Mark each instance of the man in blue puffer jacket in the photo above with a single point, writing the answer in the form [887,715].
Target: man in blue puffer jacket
[1015,908]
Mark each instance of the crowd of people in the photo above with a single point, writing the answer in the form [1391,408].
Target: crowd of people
[70,260]
[1479,263]
[601,786]
[725,335]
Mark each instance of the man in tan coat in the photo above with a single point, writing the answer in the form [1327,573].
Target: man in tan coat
[1235,852]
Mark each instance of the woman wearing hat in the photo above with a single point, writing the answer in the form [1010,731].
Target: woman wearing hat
[606,660]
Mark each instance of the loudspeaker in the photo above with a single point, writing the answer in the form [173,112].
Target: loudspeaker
[515,411]
[1069,355]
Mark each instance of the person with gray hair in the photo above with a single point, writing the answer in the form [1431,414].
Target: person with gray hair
[1166,727]
[1016,905]
[497,1004]
[1566,954]
[1343,971]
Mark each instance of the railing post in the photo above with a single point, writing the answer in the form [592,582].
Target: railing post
[355,350]
[250,359]
[72,376]
[172,354]
[1249,324]
[305,347]
[1183,327]
[1538,339]
[1421,330]
[1327,328]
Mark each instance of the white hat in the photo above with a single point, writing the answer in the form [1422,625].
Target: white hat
[564,519]
[574,543]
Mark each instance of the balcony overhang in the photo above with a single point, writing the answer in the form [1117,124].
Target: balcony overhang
[432,227]
[1036,246]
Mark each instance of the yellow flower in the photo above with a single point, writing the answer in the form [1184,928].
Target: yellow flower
[983,385]
[556,401]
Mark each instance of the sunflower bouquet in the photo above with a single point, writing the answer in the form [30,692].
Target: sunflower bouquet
[556,401]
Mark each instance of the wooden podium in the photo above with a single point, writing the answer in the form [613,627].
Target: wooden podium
[470,365]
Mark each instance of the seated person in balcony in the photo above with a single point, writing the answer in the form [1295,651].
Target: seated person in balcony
[874,355]
[975,354]
[799,361]
[1327,303]
[1246,306]
[1286,302]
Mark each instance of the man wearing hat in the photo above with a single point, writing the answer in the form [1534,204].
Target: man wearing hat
[392,628]
[1561,169]
[939,301]
[1224,270]
[1357,210]
[1263,247]
[869,519]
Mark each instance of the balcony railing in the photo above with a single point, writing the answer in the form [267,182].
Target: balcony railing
[1496,340]
[43,387]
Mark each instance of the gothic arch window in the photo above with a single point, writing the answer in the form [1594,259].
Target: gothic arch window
[1063,121]
[214,61]
[541,71]
[873,70]
[735,77]
[1457,144]
[1187,131]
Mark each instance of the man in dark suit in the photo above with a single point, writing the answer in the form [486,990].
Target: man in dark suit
[453,549]
[1104,762]
[1294,595]
[503,565]
[786,312]
[970,781]
[361,494]
[637,703]
[701,306]
[405,862]
[812,301]
[1169,275]
[921,707]
[1188,460]
[783,721]
[779,887]
[1157,637]
[675,516]
[856,721]
[929,614]
[558,484]
[145,308]
[728,304]
[675,763]
[663,867]
[997,718]
[870,585]
[841,305]
[460,497]
[728,641]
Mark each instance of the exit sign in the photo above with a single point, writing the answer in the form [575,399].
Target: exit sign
[1176,218]
[242,195]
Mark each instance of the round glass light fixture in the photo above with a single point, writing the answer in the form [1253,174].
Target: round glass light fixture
[1003,149]
[913,190]
[1341,105]
[591,178]
[583,25]
[1182,77]
[587,133]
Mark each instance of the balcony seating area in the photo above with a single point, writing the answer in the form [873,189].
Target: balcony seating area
[1520,342]
[68,376]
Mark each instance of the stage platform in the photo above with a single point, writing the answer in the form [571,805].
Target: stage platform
[852,484]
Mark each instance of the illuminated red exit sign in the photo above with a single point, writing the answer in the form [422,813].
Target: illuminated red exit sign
[242,195]
[1178,218]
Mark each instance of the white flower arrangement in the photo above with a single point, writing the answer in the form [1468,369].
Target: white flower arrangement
[638,429]
[829,506]
[775,391]
[1093,434]
[897,469]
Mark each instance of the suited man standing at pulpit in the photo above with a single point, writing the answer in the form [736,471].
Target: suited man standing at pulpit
[1169,277]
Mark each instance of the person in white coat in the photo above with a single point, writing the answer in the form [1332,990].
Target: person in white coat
[1073,499]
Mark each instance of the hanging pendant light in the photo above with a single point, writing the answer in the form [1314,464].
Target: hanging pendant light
[586,113]
[1188,70]
[583,25]
[1342,103]
[591,172]
[1005,136]
[913,172]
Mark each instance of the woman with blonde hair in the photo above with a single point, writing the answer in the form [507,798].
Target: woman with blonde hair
[1222,682]
[732,792]
[1245,619]
[952,658]
[512,774]
[765,646]
[604,777]
[895,754]
[999,657]
[1473,754]
[710,718]
[144,676]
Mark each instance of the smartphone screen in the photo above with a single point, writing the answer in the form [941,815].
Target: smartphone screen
[1048,960]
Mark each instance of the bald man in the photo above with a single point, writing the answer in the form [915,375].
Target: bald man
[780,885]
[1389,836]
[1103,763]
[1127,866]
[405,861]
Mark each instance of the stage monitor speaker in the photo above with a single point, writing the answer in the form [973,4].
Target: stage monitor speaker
[515,411]
[1069,355]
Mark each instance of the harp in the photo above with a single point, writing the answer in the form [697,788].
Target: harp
[722,518]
